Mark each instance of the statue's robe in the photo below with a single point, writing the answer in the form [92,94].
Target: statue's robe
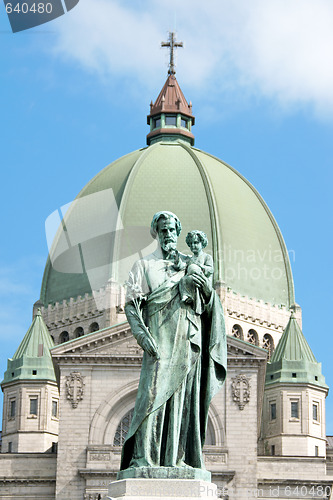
[170,416]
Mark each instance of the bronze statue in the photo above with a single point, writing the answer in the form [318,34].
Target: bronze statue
[184,361]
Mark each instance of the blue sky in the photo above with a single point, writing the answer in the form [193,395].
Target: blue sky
[75,94]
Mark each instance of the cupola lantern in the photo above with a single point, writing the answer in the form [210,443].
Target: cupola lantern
[170,116]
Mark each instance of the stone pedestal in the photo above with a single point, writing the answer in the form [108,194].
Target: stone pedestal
[162,489]
[185,472]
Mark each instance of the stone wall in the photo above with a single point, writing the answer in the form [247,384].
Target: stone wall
[109,369]
[242,426]
[29,476]
[288,435]
[25,431]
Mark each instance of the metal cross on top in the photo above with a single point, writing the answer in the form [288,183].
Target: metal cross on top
[172,44]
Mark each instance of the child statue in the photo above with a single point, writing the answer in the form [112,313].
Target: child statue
[197,241]
[199,263]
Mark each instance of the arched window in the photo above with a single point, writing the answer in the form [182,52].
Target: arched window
[210,434]
[252,337]
[237,332]
[93,327]
[125,423]
[123,428]
[63,337]
[268,344]
[78,332]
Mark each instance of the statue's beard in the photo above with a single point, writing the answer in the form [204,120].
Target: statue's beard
[168,247]
[171,245]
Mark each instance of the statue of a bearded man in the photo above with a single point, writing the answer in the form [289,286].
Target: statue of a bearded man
[184,361]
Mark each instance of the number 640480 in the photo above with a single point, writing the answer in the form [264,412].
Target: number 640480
[24,8]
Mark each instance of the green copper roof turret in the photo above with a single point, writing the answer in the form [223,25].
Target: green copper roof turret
[293,361]
[32,360]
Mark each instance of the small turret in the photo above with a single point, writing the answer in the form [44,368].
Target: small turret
[293,361]
[294,402]
[31,398]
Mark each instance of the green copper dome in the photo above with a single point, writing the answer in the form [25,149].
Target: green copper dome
[207,194]
[32,360]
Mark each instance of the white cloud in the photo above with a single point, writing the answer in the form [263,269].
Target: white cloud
[277,48]
[289,54]
[109,38]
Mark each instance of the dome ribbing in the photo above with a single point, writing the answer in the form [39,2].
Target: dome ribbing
[106,229]
[205,193]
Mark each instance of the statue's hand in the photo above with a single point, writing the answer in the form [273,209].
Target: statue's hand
[203,284]
[148,344]
[174,256]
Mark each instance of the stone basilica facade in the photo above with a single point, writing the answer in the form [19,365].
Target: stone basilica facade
[70,388]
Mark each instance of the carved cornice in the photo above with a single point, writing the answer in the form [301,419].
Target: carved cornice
[240,362]
[227,475]
[93,341]
[27,480]
[110,473]
[252,320]
[101,359]
[243,353]
[89,349]
[98,473]
[292,483]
